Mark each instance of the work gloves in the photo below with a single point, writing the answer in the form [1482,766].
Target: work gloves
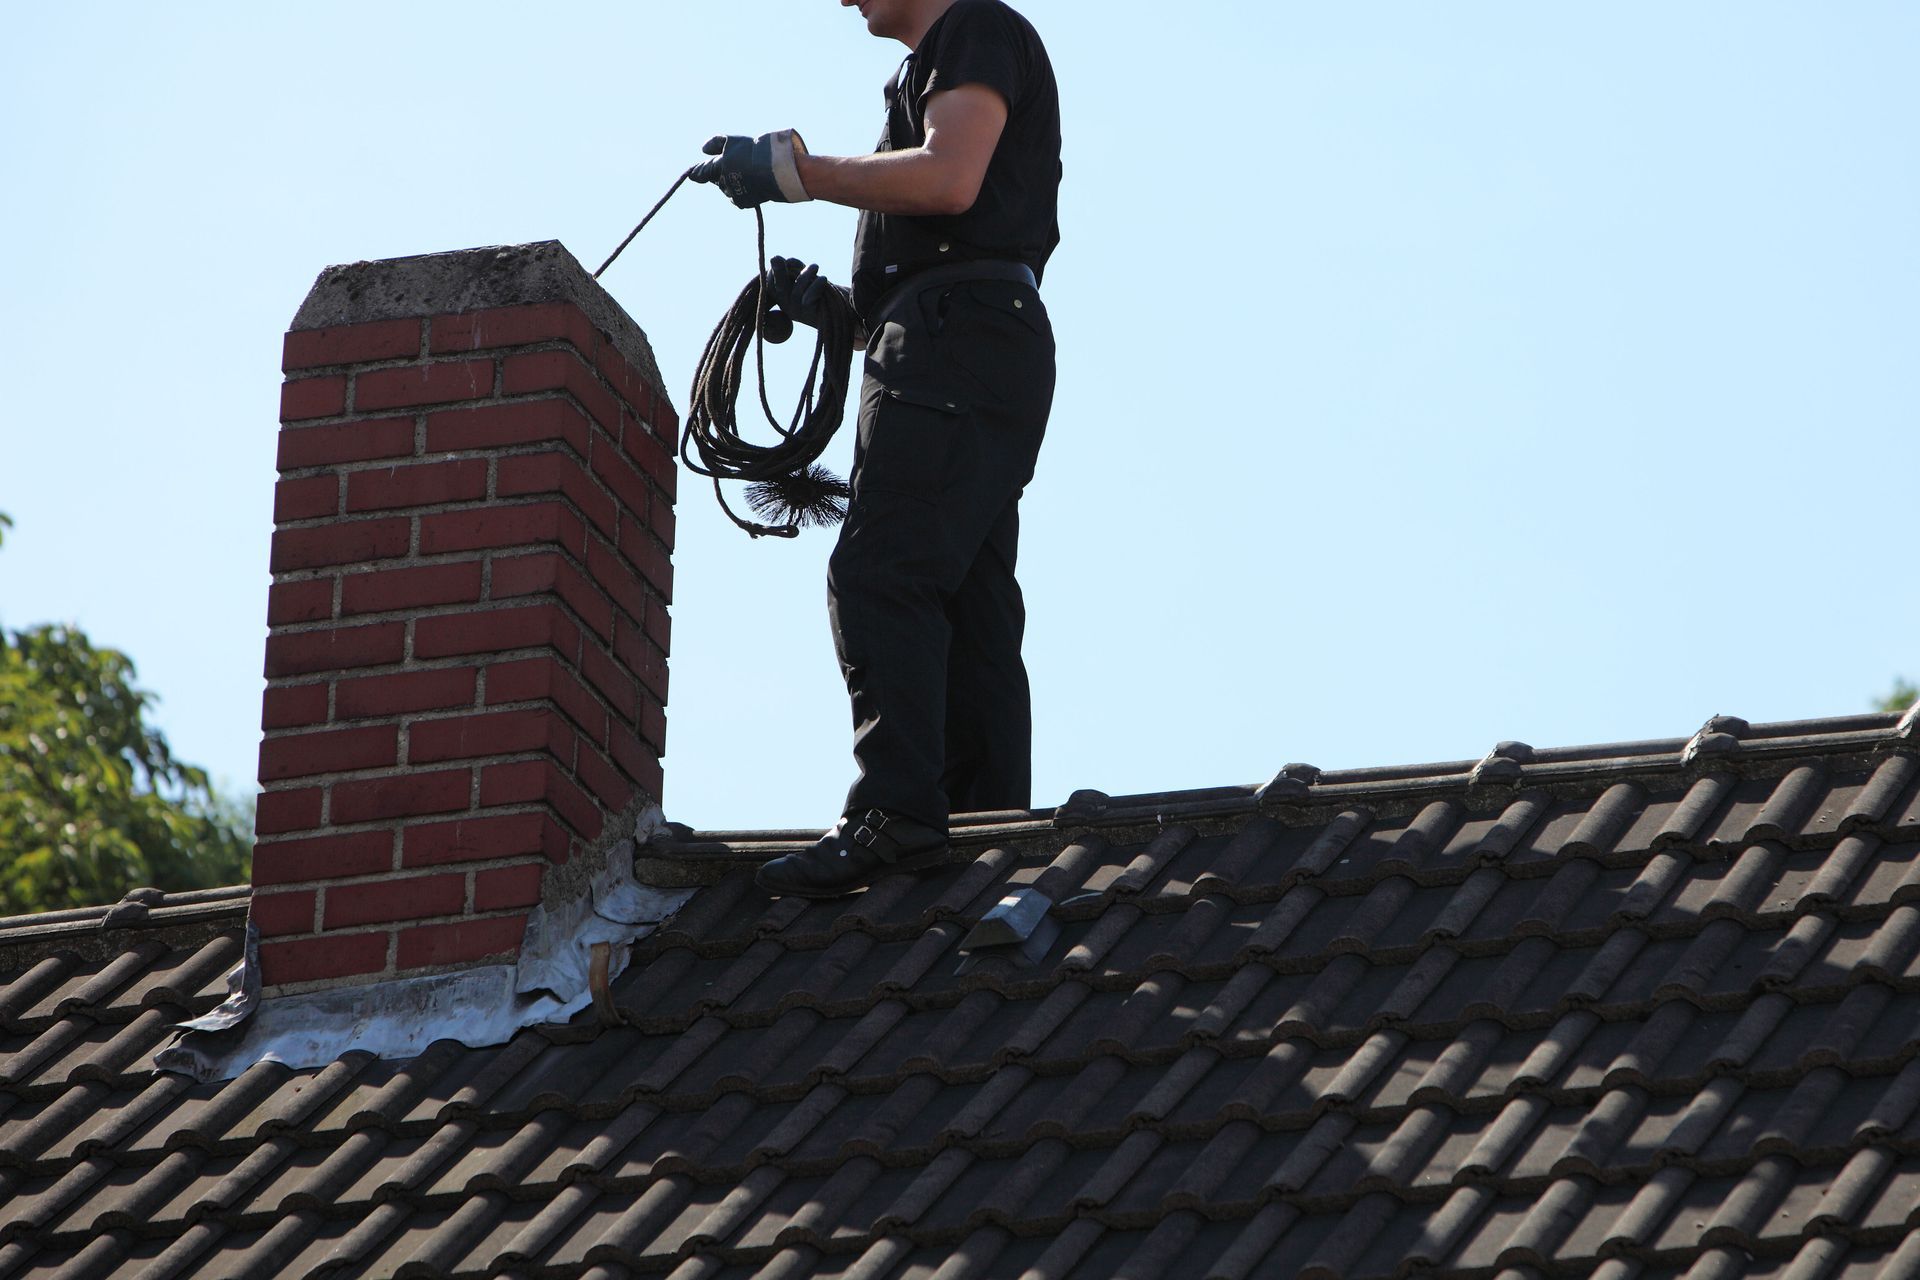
[799,291]
[753,171]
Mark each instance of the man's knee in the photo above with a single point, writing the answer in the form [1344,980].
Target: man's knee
[866,565]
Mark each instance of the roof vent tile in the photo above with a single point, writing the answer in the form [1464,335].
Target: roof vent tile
[1017,927]
[1293,782]
[1502,764]
[1082,806]
[1719,736]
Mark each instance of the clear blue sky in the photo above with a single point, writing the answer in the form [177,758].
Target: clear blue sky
[1431,374]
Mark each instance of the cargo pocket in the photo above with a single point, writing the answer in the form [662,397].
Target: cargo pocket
[997,342]
[907,440]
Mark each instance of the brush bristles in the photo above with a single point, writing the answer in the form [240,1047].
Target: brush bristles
[813,497]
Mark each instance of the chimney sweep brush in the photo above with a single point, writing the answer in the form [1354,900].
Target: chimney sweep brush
[786,487]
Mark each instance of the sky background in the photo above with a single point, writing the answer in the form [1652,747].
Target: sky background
[1430,374]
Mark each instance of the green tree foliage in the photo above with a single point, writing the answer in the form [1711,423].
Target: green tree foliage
[92,800]
[1904,693]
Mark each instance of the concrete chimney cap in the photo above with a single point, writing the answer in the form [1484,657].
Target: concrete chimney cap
[472,280]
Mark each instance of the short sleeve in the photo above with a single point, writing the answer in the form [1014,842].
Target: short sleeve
[978,45]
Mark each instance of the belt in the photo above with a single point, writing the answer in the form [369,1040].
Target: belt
[950,273]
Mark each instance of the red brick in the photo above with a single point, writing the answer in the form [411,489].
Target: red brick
[623,478]
[277,812]
[620,689]
[651,781]
[511,327]
[306,498]
[345,442]
[485,838]
[405,796]
[634,757]
[343,542]
[308,600]
[302,653]
[659,626]
[525,575]
[494,425]
[421,384]
[350,344]
[329,857]
[313,398]
[496,733]
[665,423]
[519,475]
[420,485]
[461,941]
[437,690]
[619,581]
[627,382]
[654,453]
[292,706]
[661,521]
[530,575]
[312,959]
[561,371]
[575,807]
[540,781]
[304,755]
[521,525]
[533,678]
[395,898]
[602,780]
[282,913]
[496,631]
[640,657]
[503,887]
[650,558]
[653,725]
[523,782]
[414,588]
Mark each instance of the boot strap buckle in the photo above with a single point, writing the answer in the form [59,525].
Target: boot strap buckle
[872,823]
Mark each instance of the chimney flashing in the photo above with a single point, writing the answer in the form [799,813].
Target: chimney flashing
[400,1017]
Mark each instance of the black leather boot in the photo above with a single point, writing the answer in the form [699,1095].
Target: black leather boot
[859,850]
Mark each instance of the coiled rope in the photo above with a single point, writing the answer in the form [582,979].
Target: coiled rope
[786,488]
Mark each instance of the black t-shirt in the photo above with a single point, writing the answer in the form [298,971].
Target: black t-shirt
[974,42]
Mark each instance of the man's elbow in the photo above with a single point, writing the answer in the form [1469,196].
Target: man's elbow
[955,190]
[954,200]
[953,196]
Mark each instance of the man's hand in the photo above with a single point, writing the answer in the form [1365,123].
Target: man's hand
[799,291]
[753,171]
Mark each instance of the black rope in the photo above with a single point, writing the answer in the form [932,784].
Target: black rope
[784,484]
[657,206]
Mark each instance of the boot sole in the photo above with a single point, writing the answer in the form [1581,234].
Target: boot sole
[921,861]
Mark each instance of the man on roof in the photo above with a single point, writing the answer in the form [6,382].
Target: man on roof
[957,221]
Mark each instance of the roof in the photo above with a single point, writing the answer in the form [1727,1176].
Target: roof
[1628,1011]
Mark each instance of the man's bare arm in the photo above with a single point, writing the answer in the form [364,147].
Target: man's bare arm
[941,177]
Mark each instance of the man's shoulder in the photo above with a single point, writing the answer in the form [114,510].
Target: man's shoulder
[995,15]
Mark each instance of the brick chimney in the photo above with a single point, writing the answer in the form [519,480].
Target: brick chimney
[467,630]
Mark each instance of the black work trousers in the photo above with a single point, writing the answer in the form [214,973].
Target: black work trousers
[927,617]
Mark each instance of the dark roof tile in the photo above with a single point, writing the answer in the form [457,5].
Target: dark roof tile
[184,978]
[1377,1021]
[1896,1206]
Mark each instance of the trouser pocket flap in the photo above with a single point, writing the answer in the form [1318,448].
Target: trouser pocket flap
[929,398]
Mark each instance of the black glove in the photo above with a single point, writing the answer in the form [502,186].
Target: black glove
[753,171]
[800,292]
